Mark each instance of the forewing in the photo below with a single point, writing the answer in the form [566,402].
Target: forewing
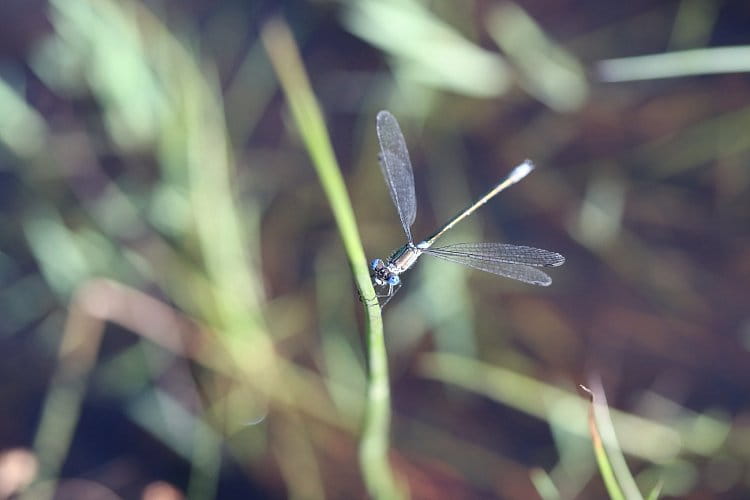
[396,167]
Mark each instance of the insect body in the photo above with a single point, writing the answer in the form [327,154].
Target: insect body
[512,261]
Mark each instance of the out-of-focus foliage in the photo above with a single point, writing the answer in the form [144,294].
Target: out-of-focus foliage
[427,51]
[178,317]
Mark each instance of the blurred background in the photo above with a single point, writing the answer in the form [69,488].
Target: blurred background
[177,317]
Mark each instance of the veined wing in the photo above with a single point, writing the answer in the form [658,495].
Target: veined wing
[500,253]
[511,261]
[520,272]
[396,167]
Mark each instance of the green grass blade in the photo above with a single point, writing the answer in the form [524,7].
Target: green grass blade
[655,493]
[693,62]
[308,117]
[544,484]
[545,69]
[602,461]
[617,478]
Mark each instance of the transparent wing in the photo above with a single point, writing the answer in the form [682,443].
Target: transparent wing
[501,252]
[511,261]
[396,167]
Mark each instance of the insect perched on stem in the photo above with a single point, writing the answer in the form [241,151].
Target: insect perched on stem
[517,262]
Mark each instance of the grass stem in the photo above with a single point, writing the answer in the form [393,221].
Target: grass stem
[287,63]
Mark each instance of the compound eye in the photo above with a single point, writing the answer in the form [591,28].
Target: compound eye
[376,264]
[393,280]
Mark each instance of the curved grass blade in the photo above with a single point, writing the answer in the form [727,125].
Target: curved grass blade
[617,477]
[656,492]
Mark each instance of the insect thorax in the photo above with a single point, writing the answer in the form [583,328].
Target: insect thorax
[403,258]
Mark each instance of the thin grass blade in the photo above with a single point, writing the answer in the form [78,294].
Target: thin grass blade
[655,493]
[609,456]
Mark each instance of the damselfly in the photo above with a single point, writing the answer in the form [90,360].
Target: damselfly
[517,262]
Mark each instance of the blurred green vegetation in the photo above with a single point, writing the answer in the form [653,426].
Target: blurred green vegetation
[177,290]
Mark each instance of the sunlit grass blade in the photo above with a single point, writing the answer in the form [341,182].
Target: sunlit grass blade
[22,129]
[287,63]
[675,64]
[546,70]
[695,21]
[605,468]
[654,442]
[655,493]
[427,50]
[544,485]
[617,478]
[61,409]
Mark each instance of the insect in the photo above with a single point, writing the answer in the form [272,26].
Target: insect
[516,262]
